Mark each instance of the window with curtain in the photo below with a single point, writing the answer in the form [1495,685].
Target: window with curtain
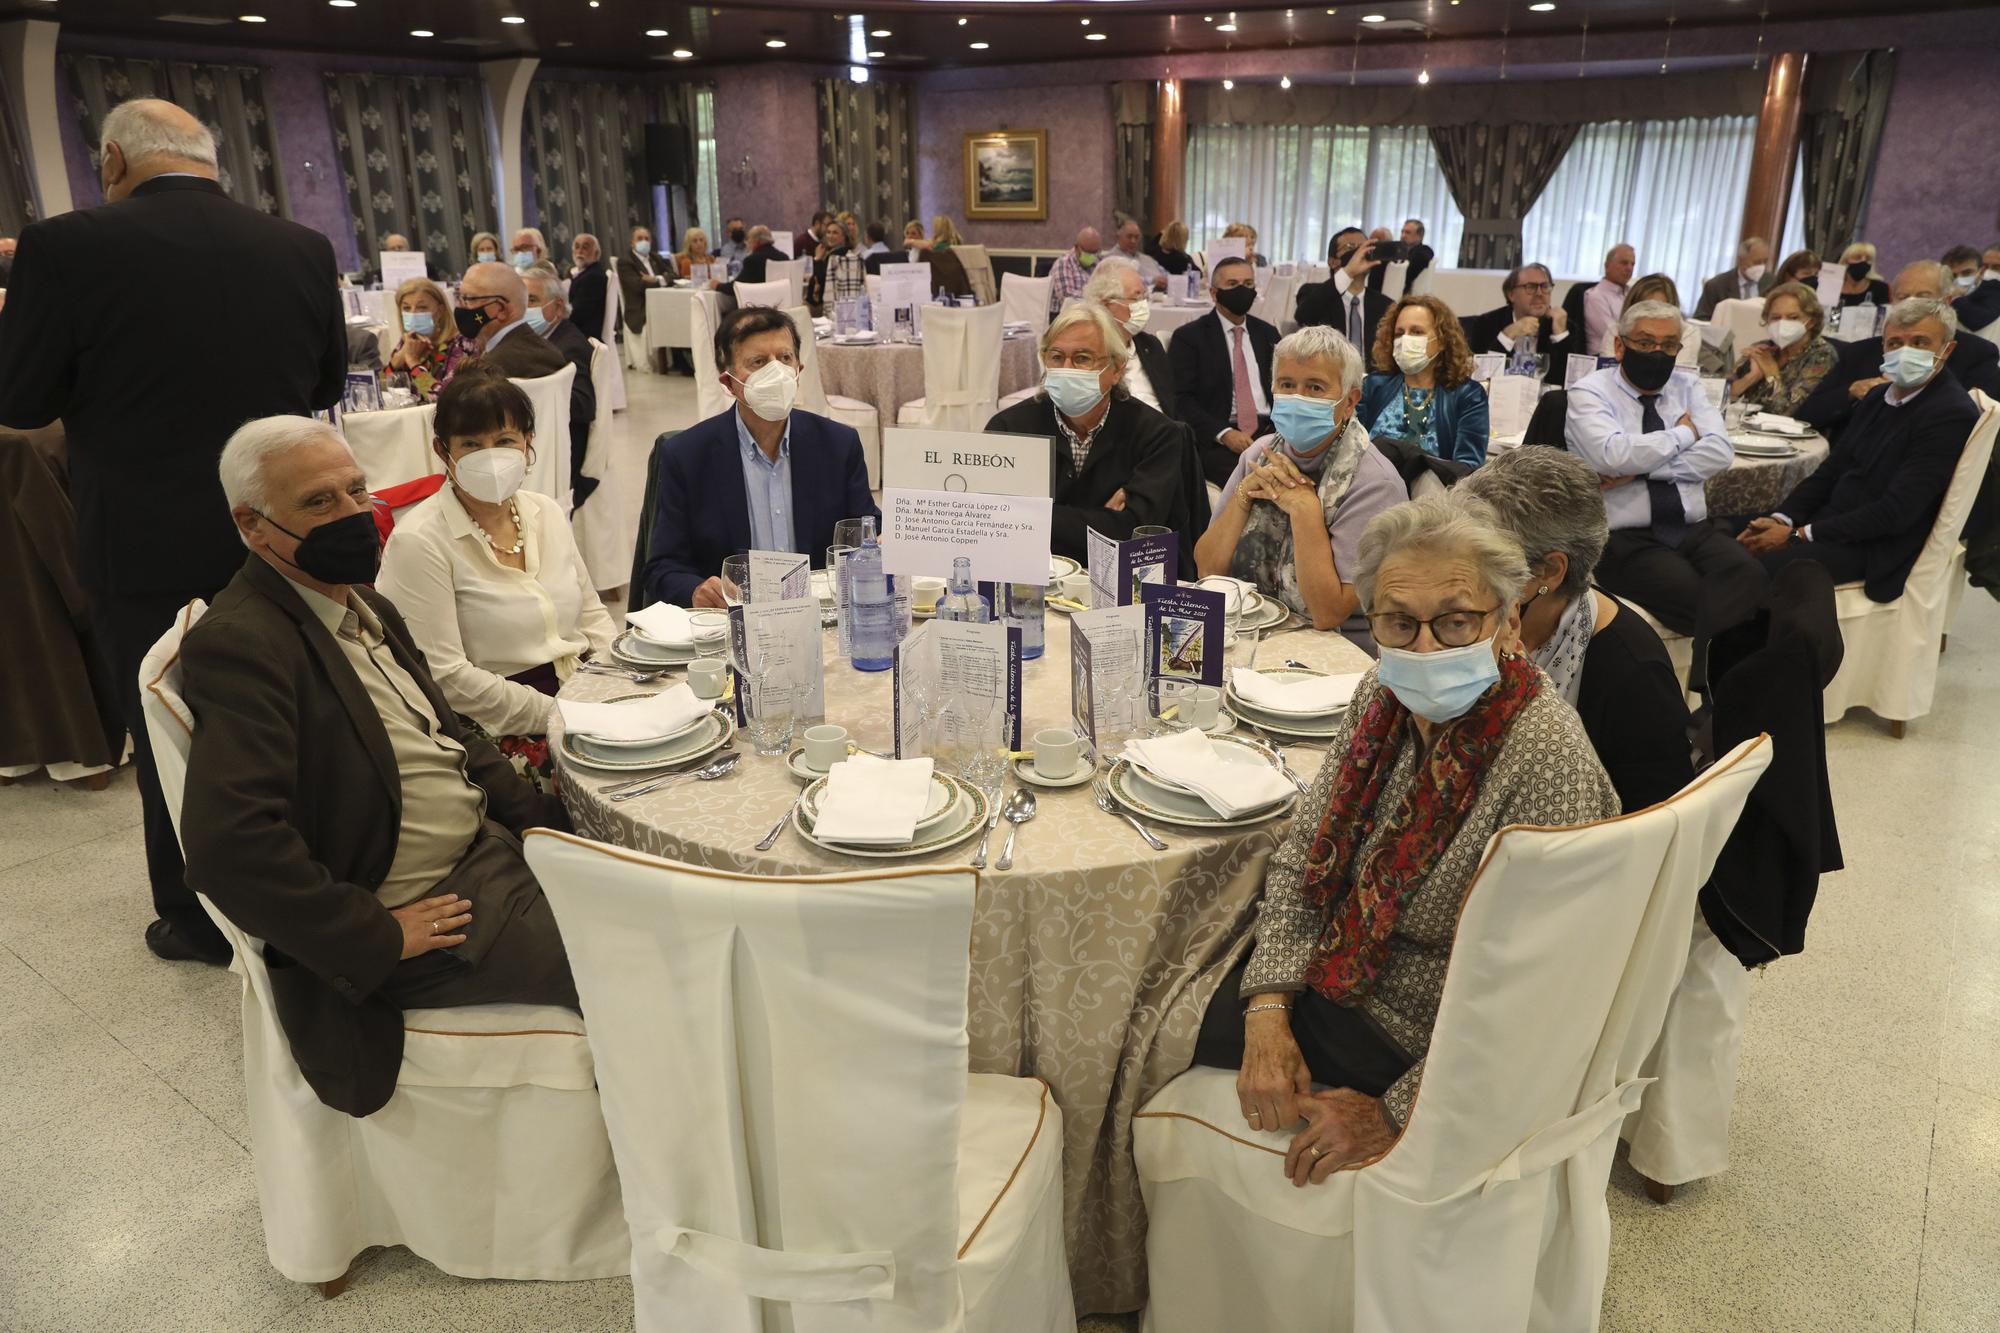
[228,99]
[1298,184]
[413,149]
[707,195]
[1672,189]
[586,156]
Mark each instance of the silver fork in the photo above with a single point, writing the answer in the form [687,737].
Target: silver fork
[765,843]
[1111,807]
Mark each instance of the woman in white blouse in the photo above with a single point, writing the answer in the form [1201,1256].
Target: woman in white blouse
[488,575]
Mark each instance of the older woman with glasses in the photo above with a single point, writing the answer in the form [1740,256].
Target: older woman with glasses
[1454,735]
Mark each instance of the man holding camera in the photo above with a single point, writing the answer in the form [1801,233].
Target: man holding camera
[1347,301]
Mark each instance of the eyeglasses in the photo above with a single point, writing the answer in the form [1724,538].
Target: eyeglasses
[1452,629]
[1672,347]
[1534,286]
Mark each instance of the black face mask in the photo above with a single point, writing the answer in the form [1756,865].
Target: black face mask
[1236,300]
[1648,371]
[343,551]
[471,319]
[737,234]
[1858,270]
[1340,259]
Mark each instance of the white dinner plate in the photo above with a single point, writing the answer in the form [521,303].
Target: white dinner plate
[1141,797]
[936,808]
[967,814]
[708,628]
[1061,567]
[717,726]
[1765,449]
[605,745]
[1304,729]
[1264,613]
[1258,710]
[633,650]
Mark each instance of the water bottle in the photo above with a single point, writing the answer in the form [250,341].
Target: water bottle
[961,601]
[872,609]
[1026,605]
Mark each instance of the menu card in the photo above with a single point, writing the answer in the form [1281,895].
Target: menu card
[1227,247]
[703,274]
[782,239]
[1511,403]
[1184,632]
[1827,286]
[399,266]
[784,638]
[779,576]
[1118,568]
[1576,367]
[1105,697]
[954,661]
[1488,365]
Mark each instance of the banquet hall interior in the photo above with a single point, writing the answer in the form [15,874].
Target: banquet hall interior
[999,665]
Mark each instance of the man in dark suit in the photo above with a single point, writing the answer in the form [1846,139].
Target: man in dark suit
[336,808]
[1976,289]
[1866,512]
[759,476]
[1751,278]
[493,312]
[587,285]
[1222,371]
[1351,301]
[638,270]
[1527,314]
[549,315]
[1975,361]
[147,414]
[762,252]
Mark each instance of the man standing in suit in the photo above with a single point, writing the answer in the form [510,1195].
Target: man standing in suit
[1348,302]
[1749,280]
[549,315]
[1975,361]
[1222,371]
[587,285]
[760,476]
[1866,512]
[1527,314]
[146,416]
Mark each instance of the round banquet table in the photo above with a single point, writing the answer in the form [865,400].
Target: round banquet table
[886,375]
[1092,959]
[1167,318]
[1748,485]
[669,318]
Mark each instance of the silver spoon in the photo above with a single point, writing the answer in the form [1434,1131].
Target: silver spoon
[708,772]
[1111,807]
[1020,809]
[1297,665]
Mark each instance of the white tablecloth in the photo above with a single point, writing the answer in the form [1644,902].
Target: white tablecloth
[1166,319]
[887,375]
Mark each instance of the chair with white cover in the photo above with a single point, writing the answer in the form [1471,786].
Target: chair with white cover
[1025,300]
[611,388]
[784,1078]
[776,294]
[1274,297]
[392,446]
[606,526]
[813,397]
[873,281]
[961,369]
[548,474]
[710,397]
[1489,1212]
[1742,323]
[489,1161]
[978,272]
[798,272]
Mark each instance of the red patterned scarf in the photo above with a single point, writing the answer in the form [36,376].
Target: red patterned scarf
[1361,900]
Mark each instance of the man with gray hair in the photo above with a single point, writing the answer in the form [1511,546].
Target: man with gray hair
[1750,279]
[1655,440]
[1119,286]
[1975,361]
[1866,512]
[587,286]
[147,406]
[550,315]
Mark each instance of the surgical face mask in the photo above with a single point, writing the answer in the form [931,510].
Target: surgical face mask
[642,247]
[341,552]
[536,320]
[492,475]
[1648,371]
[1087,258]
[1303,423]
[487,257]
[1442,685]
[1754,272]
[1907,367]
[419,322]
[738,234]
[1074,392]
[1139,312]
[771,390]
[1785,332]
[1413,352]
[1964,281]
[524,258]
[1990,275]
[1236,300]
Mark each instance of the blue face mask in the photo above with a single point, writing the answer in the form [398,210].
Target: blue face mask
[1074,392]
[1439,686]
[1907,367]
[536,319]
[1303,423]
[419,322]
[524,258]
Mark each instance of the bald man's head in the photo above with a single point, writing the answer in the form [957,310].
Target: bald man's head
[497,291]
[147,137]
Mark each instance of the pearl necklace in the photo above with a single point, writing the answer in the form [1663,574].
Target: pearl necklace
[520,534]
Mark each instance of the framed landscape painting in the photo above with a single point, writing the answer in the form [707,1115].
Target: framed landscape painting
[1007,176]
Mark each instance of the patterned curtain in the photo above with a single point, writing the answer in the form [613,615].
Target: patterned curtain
[17,193]
[868,149]
[229,99]
[414,151]
[587,156]
[1496,172]
[1847,100]
[1132,152]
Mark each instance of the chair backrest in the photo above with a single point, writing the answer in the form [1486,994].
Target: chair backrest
[393,446]
[874,283]
[549,474]
[776,293]
[1547,424]
[721,1009]
[812,389]
[597,450]
[1025,301]
[642,547]
[798,272]
[611,389]
[961,366]
[1743,322]
[1274,297]
[978,271]
[704,314]
[1933,567]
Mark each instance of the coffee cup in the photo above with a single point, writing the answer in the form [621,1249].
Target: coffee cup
[924,592]
[1202,707]
[1076,587]
[1055,754]
[826,745]
[705,677]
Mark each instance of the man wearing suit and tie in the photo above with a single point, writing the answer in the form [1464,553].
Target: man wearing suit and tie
[147,415]
[1750,279]
[760,476]
[1351,301]
[1222,371]
[1527,314]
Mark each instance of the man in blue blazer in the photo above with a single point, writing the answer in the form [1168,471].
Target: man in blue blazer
[757,477]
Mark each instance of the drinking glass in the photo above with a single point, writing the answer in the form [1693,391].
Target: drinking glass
[1151,530]
[985,765]
[1166,702]
[736,579]
[835,575]
[773,710]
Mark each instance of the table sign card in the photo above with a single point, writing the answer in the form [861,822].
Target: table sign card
[915,458]
[1118,568]
[1511,402]
[1005,536]
[1104,697]
[1827,286]
[1852,323]
[1488,365]
[779,576]
[954,661]
[783,240]
[362,392]
[1227,247]
[905,289]
[399,266]
[702,274]
[1576,367]
[1395,277]
[786,636]
[1183,632]
[354,299]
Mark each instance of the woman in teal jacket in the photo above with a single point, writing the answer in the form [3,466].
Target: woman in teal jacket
[1423,391]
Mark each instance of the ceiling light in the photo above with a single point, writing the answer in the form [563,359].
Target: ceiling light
[512,18]
[775,43]
[1208,18]
[1093,37]
[1285,82]
[1544,7]
[343,4]
[881,32]
[1373,18]
[878,55]
[422,32]
[1084,22]
[979,46]
[963,22]
[1423,76]
[656,32]
[682,53]
[1225,27]
[250,18]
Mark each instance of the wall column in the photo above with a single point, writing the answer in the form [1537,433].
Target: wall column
[1775,150]
[507,91]
[1169,152]
[28,67]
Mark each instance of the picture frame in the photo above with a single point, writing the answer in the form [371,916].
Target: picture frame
[1007,176]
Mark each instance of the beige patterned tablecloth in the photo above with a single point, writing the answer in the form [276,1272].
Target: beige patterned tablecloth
[1092,959]
[1757,485]
[887,375]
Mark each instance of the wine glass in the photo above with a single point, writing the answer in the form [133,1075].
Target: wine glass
[736,579]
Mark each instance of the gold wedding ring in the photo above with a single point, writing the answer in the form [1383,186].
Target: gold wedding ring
[1317,1152]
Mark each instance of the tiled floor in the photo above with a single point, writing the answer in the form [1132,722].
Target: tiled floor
[1864,1192]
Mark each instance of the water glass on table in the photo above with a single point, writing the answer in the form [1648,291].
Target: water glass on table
[1167,703]
[773,711]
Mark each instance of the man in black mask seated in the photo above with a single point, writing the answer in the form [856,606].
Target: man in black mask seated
[1222,371]
[336,808]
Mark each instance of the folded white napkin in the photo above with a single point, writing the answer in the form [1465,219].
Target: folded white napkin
[663,621]
[1772,421]
[1192,759]
[1316,694]
[873,802]
[648,719]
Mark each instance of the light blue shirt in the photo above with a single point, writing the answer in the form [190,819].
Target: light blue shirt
[767,484]
[1605,428]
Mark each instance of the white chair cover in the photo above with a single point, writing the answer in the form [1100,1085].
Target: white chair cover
[978,272]
[813,397]
[394,445]
[490,1160]
[777,294]
[961,369]
[1743,322]
[1025,300]
[1488,1213]
[710,396]
[669,318]
[611,390]
[1681,1130]
[607,527]
[874,285]
[549,473]
[798,272]
[784,1078]
[1274,297]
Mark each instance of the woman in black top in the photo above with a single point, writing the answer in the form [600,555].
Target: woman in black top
[1861,285]
[1598,653]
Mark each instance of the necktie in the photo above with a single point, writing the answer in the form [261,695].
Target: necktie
[1355,332]
[1246,406]
[1670,525]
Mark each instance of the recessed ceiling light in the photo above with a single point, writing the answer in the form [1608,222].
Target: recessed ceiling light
[422,32]
[979,46]
[656,32]
[880,32]
[775,43]
[512,18]
[1285,82]
[1423,76]
[1084,22]
[878,55]
[1228,85]
[682,53]
[1544,7]
[1208,18]
[250,18]
[343,4]
[1373,18]
[1094,37]
[1225,27]
[963,22]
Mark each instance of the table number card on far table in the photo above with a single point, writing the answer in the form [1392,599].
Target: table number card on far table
[1118,569]
[1104,663]
[950,661]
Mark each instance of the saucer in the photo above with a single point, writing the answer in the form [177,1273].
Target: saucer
[1024,769]
[796,763]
